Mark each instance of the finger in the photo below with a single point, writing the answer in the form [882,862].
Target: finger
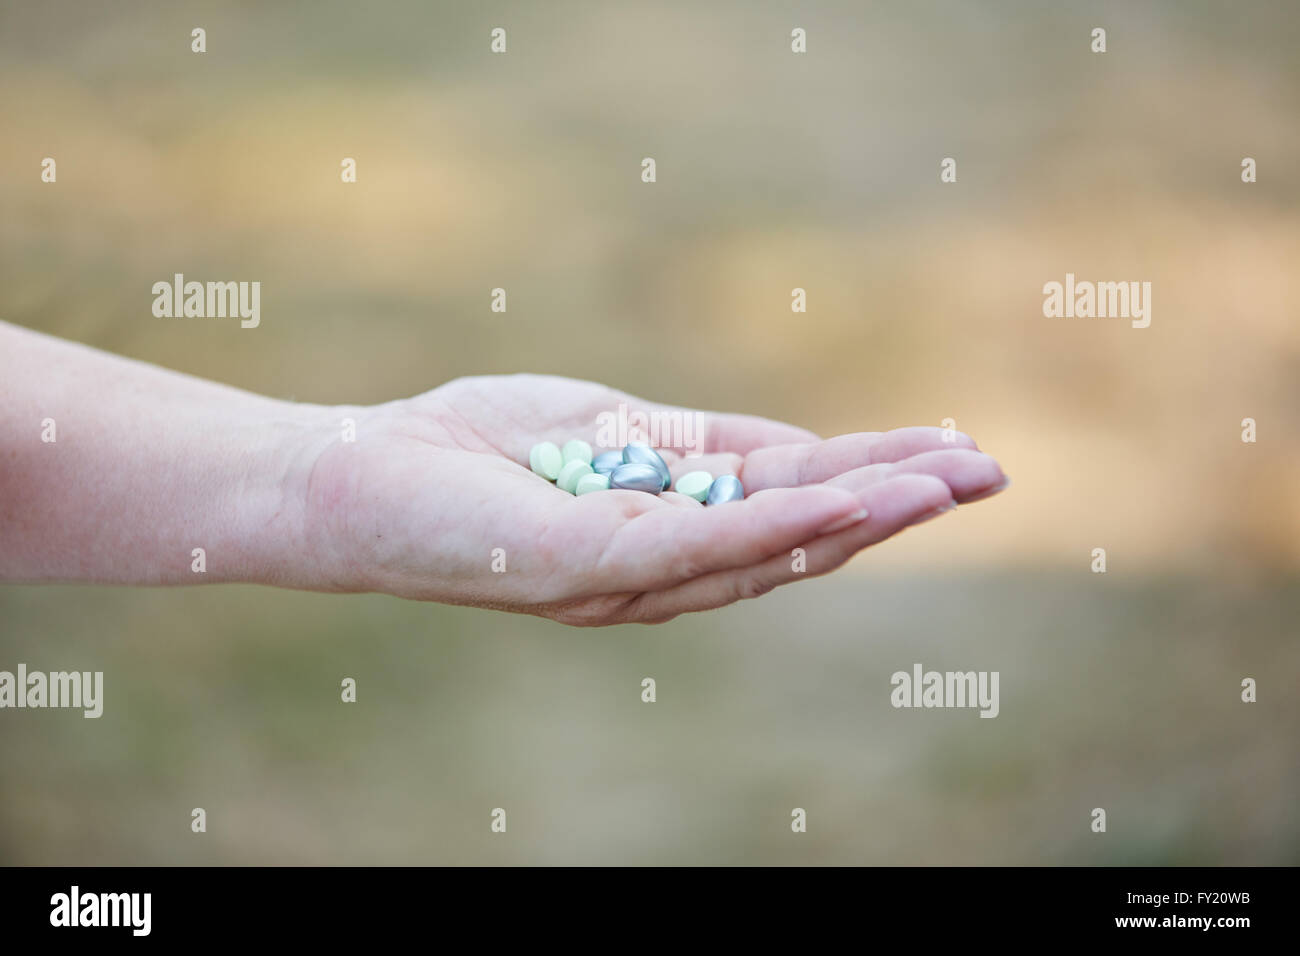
[892,505]
[788,466]
[971,475]
[663,546]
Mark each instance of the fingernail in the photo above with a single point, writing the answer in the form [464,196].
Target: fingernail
[931,515]
[846,522]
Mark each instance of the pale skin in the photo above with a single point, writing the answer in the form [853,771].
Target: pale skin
[148,465]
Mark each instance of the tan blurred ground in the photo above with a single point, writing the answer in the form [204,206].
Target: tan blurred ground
[774,171]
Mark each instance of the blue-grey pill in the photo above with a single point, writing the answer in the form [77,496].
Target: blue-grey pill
[639,454]
[636,477]
[725,488]
[606,462]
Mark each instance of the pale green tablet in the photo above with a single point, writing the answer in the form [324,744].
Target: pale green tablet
[576,450]
[695,485]
[570,473]
[545,459]
[592,482]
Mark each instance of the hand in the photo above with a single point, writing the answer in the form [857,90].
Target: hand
[433,486]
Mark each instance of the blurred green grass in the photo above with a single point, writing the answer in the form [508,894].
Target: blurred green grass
[1114,693]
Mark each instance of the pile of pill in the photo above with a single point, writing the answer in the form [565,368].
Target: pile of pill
[637,467]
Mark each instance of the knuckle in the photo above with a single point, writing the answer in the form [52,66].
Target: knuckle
[751,586]
[591,612]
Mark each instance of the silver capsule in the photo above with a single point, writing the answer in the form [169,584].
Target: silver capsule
[636,477]
[606,462]
[725,488]
[639,454]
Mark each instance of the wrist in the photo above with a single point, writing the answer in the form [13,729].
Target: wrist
[321,535]
[290,517]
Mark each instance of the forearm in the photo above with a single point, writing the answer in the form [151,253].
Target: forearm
[116,471]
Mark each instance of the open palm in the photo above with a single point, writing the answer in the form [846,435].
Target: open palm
[435,501]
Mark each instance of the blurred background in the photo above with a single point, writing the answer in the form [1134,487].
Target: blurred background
[775,170]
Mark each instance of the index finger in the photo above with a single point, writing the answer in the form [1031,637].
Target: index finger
[786,466]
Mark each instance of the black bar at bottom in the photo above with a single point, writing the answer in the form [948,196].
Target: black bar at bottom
[330,905]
